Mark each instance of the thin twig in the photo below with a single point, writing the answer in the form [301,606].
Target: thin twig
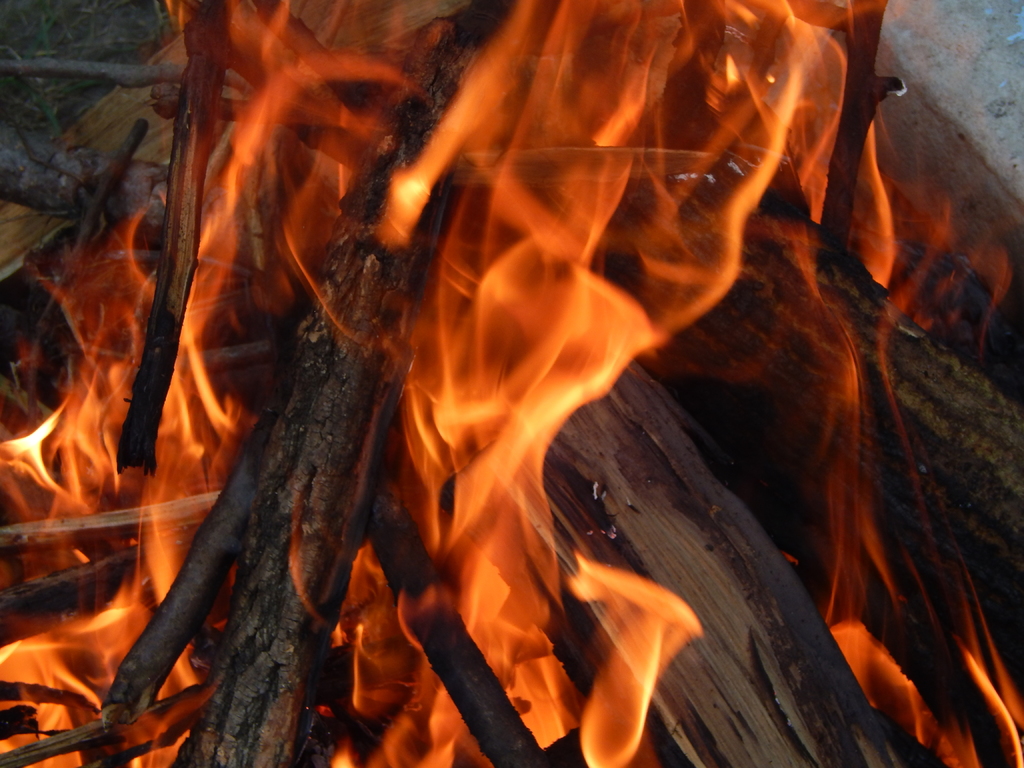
[109,180]
[437,625]
[120,523]
[173,709]
[862,92]
[126,75]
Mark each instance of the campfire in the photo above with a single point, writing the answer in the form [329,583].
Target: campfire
[621,413]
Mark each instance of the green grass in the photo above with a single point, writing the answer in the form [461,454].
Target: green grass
[91,30]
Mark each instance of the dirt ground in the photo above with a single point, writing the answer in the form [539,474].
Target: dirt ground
[128,31]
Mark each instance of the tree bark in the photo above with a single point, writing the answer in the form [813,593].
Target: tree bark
[766,684]
[319,471]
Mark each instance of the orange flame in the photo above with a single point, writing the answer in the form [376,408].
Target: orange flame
[519,330]
[649,626]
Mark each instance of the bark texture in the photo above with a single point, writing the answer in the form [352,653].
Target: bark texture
[319,471]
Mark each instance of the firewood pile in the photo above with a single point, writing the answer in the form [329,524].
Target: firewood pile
[568,437]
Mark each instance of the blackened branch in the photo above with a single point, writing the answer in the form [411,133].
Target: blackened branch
[862,92]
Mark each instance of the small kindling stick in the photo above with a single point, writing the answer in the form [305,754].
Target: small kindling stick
[193,140]
[454,657]
[125,75]
[862,92]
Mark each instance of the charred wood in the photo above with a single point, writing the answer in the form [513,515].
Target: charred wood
[454,657]
[190,151]
[319,474]
[180,615]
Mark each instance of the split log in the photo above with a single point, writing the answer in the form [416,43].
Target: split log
[319,471]
[766,684]
[935,443]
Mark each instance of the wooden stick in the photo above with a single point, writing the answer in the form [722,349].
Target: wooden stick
[122,523]
[190,151]
[125,75]
[109,180]
[862,92]
[454,657]
[44,694]
[40,604]
[180,615]
[173,710]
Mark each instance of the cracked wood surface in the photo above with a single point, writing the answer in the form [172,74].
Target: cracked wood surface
[766,684]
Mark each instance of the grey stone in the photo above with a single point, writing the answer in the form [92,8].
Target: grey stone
[957,131]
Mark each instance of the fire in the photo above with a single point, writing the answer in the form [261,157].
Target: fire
[570,117]
[651,625]
[888,688]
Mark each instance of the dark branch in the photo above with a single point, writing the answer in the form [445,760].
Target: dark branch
[454,657]
[181,614]
[126,75]
[862,92]
[190,152]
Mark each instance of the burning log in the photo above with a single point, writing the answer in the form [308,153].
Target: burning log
[319,471]
[844,379]
[628,488]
